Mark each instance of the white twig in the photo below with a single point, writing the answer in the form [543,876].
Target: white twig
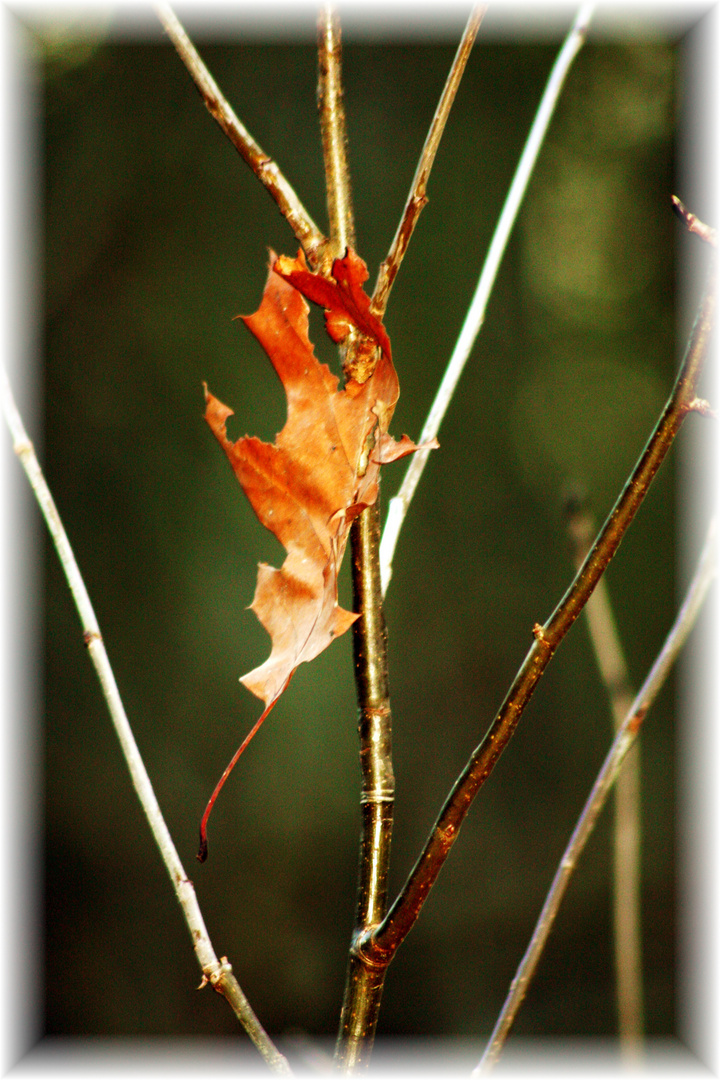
[626,735]
[476,314]
[217,972]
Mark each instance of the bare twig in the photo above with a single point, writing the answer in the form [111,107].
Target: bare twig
[363,987]
[364,984]
[624,739]
[417,198]
[475,317]
[626,878]
[379,947]
[334,134]
[216,972]
[266,170]
[693,222]
[357,364]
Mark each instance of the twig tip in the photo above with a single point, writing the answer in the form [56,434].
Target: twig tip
[693,223]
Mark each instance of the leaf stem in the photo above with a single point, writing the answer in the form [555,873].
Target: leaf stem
[380,945]
[311,238]
[216,972]
[475,317]
[417,199]
[624,739]
[203,844]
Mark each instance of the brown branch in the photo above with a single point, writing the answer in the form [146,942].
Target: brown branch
[622,744]
[363,987]
[379,946]
[417,198]
[611,663]
[311,238]
[475,316]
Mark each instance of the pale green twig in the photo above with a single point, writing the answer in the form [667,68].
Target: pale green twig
[216,972]
[626,735]
[608,650]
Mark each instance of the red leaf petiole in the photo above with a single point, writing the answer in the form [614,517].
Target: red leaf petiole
[203,849]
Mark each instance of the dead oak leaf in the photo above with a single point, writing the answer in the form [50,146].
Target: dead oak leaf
[345,301]
[319,474]
[321,471]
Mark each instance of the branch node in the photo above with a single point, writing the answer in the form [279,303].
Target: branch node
[538,632]
[703,407]
[24,449]
[381,795]
[216,976]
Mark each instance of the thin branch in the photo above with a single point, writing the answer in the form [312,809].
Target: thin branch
[379,947]
[613,669]
[693,222]
[364,984]
[311,238]
[333,131]
[417,199]
[363,987]
[475,317]
[216,972]
[337,174]
[622,743]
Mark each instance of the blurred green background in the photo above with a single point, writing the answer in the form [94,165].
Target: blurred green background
[156,235]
